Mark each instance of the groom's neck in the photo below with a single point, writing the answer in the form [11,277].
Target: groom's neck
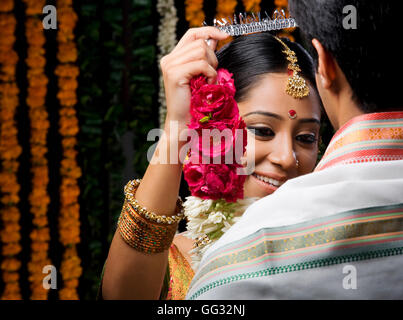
[346,109]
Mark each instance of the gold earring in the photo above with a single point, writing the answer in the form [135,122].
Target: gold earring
[296,85]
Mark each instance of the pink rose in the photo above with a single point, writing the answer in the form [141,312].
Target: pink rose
[213,102]
[225,78]
[197,82]
[214,181]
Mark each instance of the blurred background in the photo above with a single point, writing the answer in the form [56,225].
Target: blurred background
[76,104]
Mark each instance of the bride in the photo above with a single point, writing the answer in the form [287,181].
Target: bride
[284,125]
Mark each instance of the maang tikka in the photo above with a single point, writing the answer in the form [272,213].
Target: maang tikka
[296,85]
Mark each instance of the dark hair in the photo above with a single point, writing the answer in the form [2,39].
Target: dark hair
[251,56]
[367,55]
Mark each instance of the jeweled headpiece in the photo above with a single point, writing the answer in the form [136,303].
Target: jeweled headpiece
[254,23]
[296,85]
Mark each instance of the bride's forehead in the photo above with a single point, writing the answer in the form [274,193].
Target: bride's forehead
[269,95]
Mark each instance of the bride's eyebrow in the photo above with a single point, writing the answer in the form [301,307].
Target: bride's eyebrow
[309,120]
[265,113]
[277,116]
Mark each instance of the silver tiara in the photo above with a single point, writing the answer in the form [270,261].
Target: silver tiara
[254,23]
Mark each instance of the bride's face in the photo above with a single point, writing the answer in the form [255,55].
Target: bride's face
[279,140]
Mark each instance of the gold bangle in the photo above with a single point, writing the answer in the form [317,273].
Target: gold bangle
[130,191]
[143,235]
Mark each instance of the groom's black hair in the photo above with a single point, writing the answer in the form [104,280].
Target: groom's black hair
[250,57]
[368,55]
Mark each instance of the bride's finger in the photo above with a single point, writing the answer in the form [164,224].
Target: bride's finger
[204,33]
[183,73]
[197,50]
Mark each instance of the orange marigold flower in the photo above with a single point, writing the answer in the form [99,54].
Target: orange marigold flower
[9,237]
[6,5]
[40,124]
[40,246]
[10,264]
[34,7]
[10,214]
[67,18]
[10,199]
[35,103]
[67,70]
[11,166]
[66,94]
[40,234]
[68,111]
[11,291]
[281,3]
[67,52]
[68,102]
[11,249]
[10,277]
[68,84]
[41,221]
[68,294]
[252,5]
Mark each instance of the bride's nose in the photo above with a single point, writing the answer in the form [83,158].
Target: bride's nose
[282,153]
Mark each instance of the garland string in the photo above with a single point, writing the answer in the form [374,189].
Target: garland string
[194,13]
[10,150]
[39,124]
[69,218]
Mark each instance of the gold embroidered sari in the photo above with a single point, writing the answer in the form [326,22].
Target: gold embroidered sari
[178,277]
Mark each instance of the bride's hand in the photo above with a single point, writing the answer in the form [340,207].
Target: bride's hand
[191,57]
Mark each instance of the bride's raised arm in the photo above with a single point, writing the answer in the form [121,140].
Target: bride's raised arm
[130,273]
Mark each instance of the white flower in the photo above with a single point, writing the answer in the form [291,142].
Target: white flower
[210,219]
[216,217]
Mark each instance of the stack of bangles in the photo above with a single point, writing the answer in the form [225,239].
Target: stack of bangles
[143,230]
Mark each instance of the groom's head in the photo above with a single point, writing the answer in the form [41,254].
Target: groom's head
[357,58]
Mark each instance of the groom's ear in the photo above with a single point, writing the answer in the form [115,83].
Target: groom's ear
[326,65]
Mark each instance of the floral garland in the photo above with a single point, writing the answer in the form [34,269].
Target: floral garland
[9,153]
[225,8]
[216,188]
[69,219]
[194,13]
[38,198]
[166,42]
[252,5]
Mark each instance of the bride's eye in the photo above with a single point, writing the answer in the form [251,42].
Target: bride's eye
[261,131]
[307,138]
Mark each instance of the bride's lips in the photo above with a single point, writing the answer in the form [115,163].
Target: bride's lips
[268,187]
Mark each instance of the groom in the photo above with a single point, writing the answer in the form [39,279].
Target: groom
[336,233]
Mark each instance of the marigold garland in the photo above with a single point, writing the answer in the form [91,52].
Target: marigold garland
[225,9]
[10,150]
[69,219]
[251,6]
[38,198]
[194,13]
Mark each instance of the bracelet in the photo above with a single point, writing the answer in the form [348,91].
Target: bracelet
[130,190]
[142,235]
